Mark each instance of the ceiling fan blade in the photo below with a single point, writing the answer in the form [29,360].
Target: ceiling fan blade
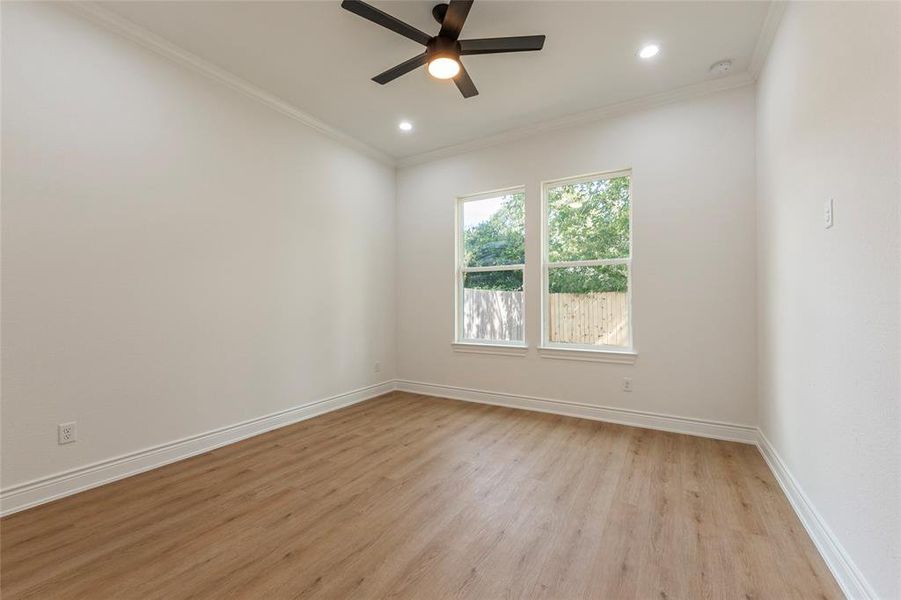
[465,84]
[373,14]
[457,10]
[523,43]
[401,69]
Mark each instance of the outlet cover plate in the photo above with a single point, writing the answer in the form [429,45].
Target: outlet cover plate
[67,433]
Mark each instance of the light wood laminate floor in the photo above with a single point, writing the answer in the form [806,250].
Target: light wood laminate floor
[408,496]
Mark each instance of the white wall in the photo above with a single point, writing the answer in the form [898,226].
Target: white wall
[176,257]
[694,261]
[828,126]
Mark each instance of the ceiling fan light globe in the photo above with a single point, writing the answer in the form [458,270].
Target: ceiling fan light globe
[443,68]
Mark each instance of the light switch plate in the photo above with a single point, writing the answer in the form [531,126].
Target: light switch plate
[829,213]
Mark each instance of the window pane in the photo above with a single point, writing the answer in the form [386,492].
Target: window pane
[589,305]
[494,231]
[493,306]
[588,220]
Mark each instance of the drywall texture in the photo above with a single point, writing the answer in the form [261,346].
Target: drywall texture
[828,127]
[176,256]
[693,266]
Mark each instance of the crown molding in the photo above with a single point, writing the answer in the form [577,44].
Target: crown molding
[125,28]
[583,118]
[765,38]
[119,25]
[767,35]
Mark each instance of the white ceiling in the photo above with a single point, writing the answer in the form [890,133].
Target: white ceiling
[320,58]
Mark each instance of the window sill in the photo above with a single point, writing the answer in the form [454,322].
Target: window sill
[498,349]
[618,357]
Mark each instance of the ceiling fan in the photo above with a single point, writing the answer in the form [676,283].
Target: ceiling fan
[443,51]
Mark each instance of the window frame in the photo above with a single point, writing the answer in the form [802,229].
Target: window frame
[461,343]
[591,352]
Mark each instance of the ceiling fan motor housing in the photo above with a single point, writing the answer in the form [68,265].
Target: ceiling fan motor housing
[441,47]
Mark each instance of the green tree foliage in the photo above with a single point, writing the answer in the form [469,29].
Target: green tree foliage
[587,221]
[498,240]
[583,280]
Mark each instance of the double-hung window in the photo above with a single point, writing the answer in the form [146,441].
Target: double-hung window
[587,262]
[491,258]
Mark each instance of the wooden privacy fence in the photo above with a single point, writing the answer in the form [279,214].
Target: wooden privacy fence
[492,315]
[593,318]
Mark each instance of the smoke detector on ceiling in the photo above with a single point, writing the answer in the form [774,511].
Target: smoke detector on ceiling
[720,68]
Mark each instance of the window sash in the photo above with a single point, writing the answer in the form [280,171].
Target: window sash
[546,265]
[460,308]
[601,262]
[492,268]
[586,178]
[462,270]
[545,309]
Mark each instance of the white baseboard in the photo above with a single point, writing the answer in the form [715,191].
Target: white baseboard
[847,575]
[45,489]
[699,427]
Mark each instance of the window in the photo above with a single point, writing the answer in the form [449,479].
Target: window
[490,260]
[586,262]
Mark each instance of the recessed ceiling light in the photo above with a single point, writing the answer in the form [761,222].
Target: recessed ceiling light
[649,51]
[405,126]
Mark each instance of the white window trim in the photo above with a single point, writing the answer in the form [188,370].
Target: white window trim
[496,348]
[461,344]
[619,357]
[585,352]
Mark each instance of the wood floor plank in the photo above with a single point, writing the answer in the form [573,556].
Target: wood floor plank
[407,496]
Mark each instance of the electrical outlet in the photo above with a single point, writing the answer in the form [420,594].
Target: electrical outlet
[829,213]
[66,433]
[377,367]
[627,384]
